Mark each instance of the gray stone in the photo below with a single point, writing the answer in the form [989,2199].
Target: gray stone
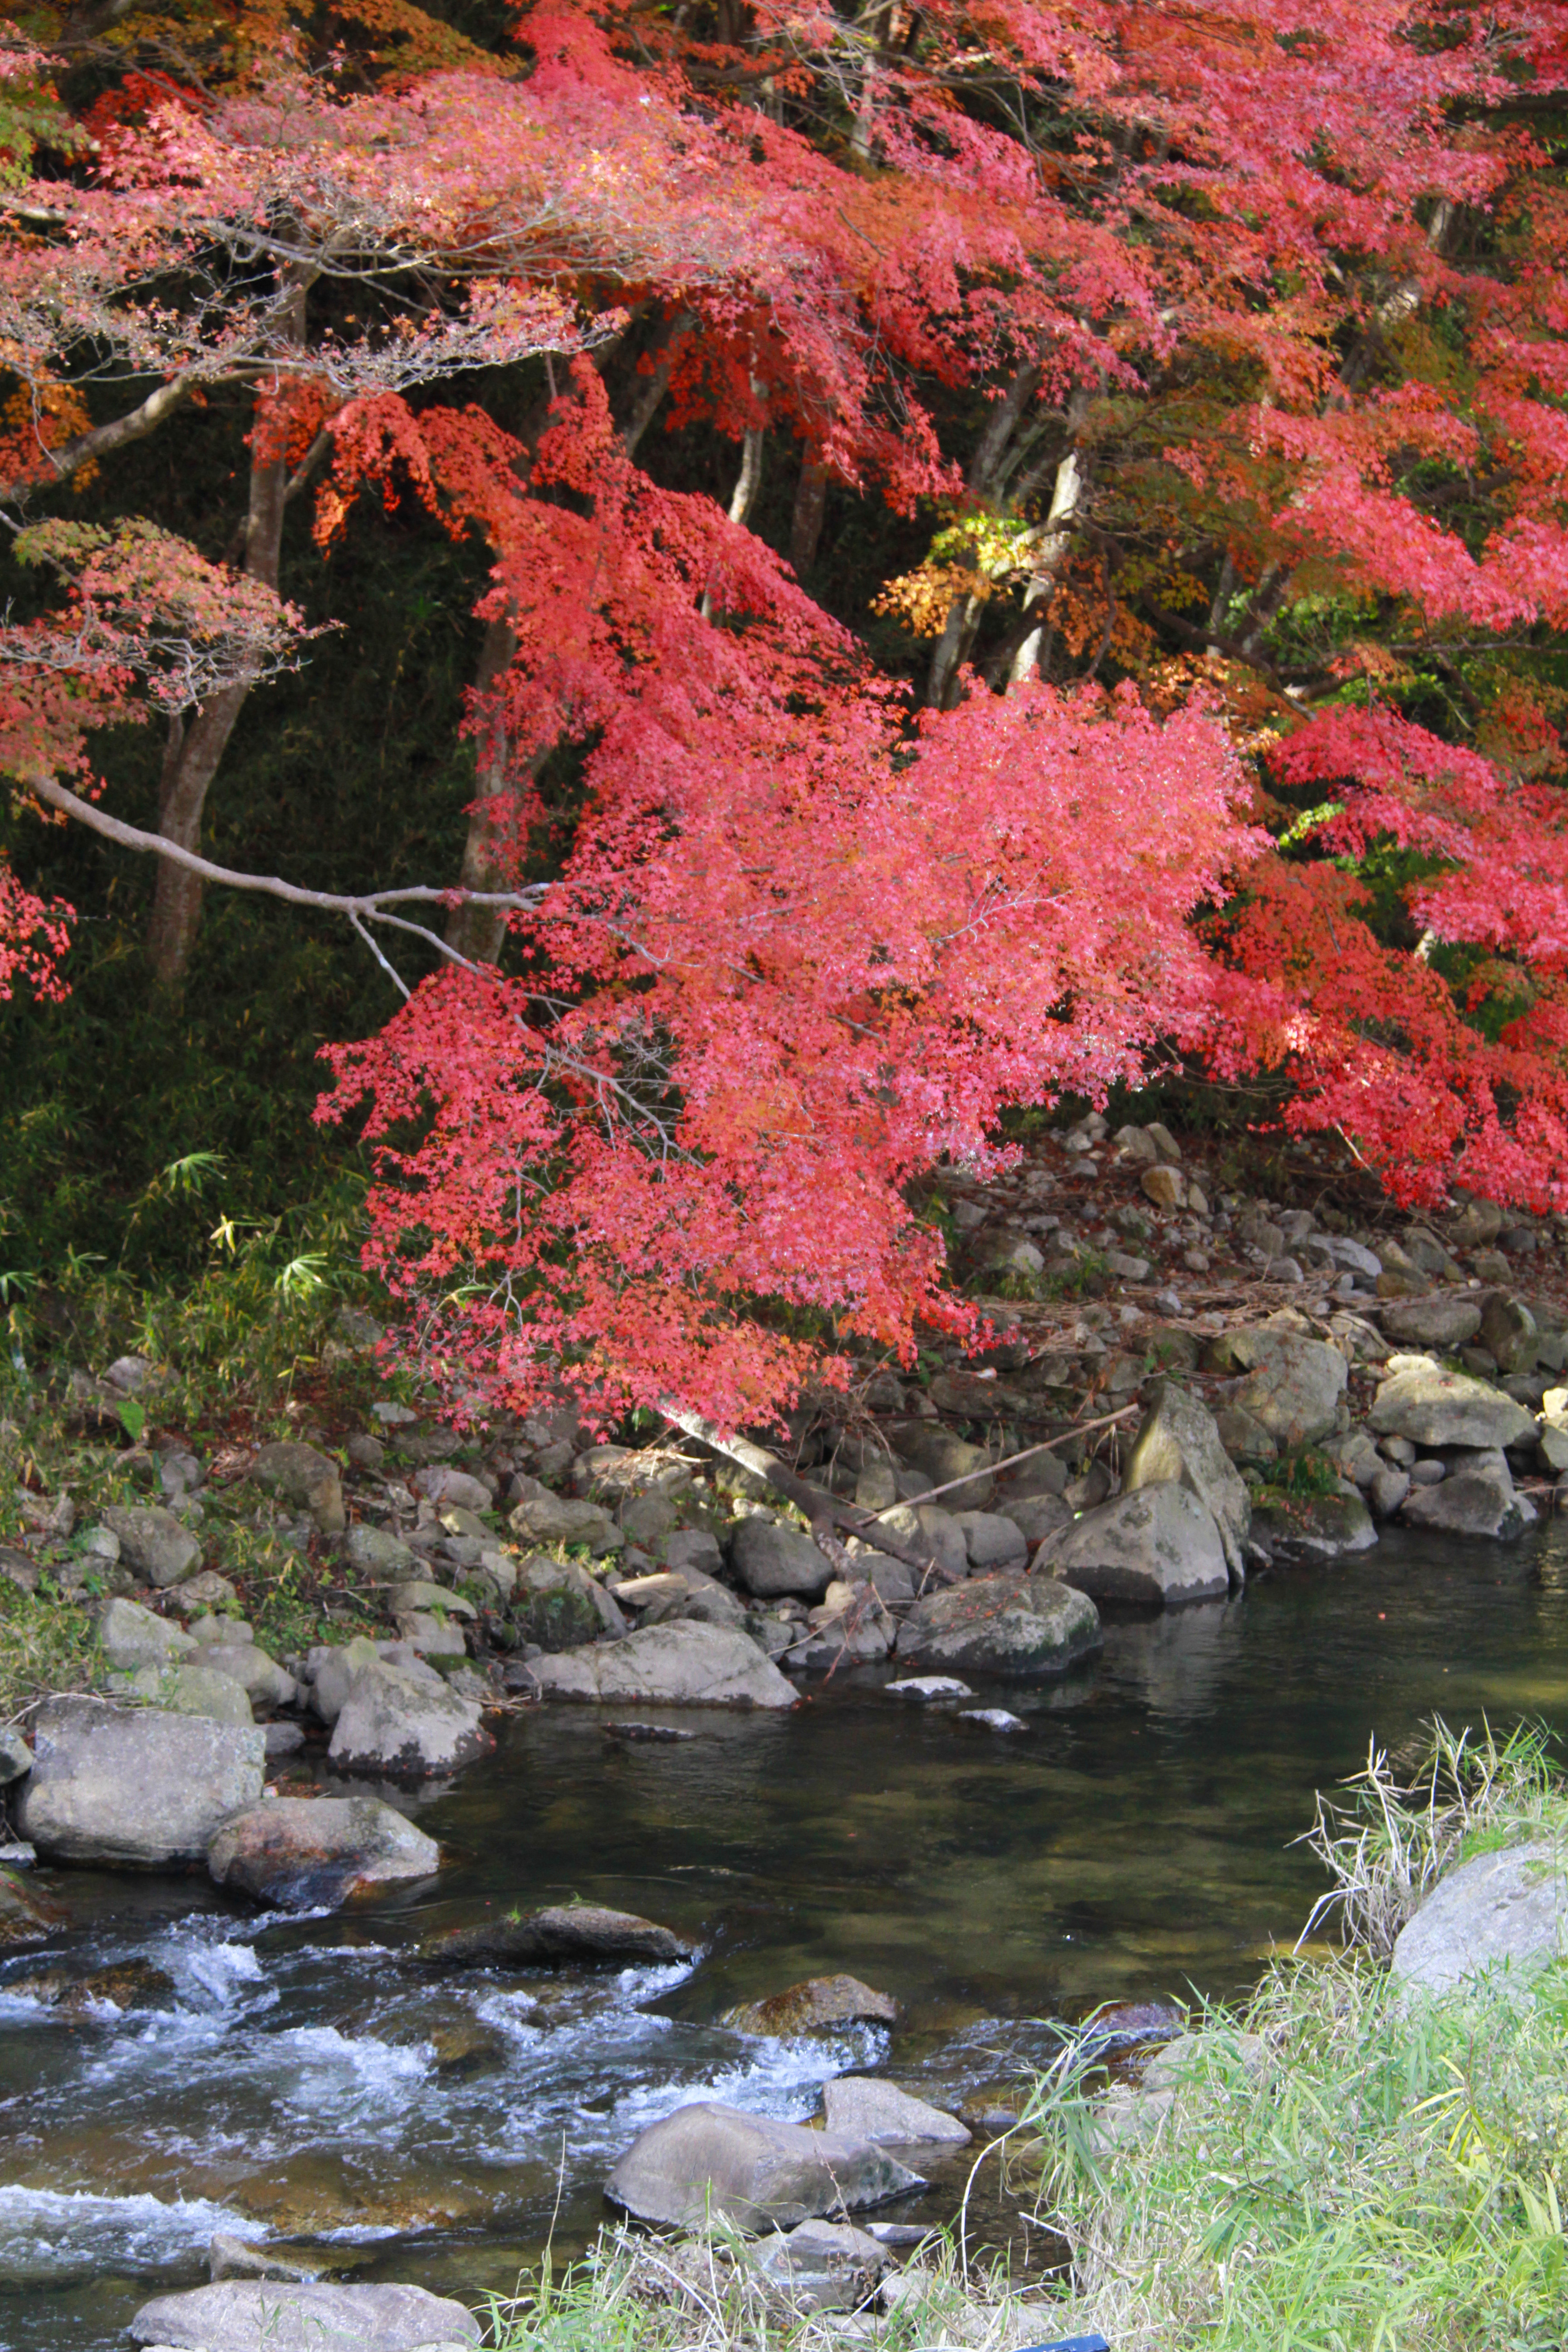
[330,1668]
[932,1532]
[1476,1497]
[1317,1526]
[1387,1491]
[707,2162]
[1509,1333]
[771,1561]
[1035,1516]
[1163,1187]
[130,1636]
[296,1853]
[1043,1474]
[992,1539]
[179,1689]
[404,1727]
[558,1605]
[1179,1440]
[563,1935]
[926,1688]
[1428,1473]
[861,2107]
[692,1547]
[133,1786]
[1244,1437]
[1552,1448]
[229,2257]
[1476,1225]
[305,1480]
[1157,1544]
[890,1579]
[16,1755]
[419,1593]
[679,1592]
[376,1551]
[926,1446]
[1001,1625]
[551,1519]
[1446,1320]
[1499,1913]
[454,1487]
[205,1591]
[154,1544]
[281,2316]
[994,1719]
[1293,1385]
[265,1683]
[1431,1406]
[679,1664]
[822,2265]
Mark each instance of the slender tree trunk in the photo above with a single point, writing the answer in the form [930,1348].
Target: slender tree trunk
[1050,555]
[193,751]
[806,523]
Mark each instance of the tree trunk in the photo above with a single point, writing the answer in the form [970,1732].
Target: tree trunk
[1067,497]
[193,752]
[477,932]
[806,523]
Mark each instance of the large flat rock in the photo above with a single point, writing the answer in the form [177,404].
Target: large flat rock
[1503,1912]
[681,1665]
[275,2316]
[295,1852]
[709,2161]
[404,1727]
[860,2107]
[563,1933]
[134,1785]
[1430,1405]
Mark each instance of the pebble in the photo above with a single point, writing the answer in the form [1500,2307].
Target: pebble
[925,1686]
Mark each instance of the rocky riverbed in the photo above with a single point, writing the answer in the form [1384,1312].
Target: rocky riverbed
[978,1556]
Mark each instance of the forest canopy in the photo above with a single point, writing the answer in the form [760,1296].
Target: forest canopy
[710,598]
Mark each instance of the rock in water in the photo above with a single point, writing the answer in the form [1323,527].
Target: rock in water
[26,1917]
[267,2315]
[680,1664]
[121,1785]
[1476,1499]
[296,1853]
[1317,1526]
[1159,1544]
[1026,1626]
[1432,1406]
[814,2005]
[711,2161]
[1180,1440]
[1505,1911]
[564,1933]
[405,1726]
[858,2107]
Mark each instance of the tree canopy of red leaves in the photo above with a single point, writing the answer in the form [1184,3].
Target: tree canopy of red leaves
[1227,344]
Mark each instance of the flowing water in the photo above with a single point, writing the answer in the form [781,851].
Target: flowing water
[1132,1842]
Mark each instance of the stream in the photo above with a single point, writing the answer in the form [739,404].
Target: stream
[1131,1843]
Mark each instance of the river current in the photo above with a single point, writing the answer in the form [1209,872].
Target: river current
[1132,1842]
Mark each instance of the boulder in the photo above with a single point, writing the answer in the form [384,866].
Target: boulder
[926,1688]
[1508,1333]
[678,1664]
[679,1592]
[1317,1526]
[860,2107]
[16,1755]
[1500,1912]
[206,1589]
[305,1480]
[1035,1516]
[1244,1438]
[1429,1405]
[330,1668]
[265,1683]
[1001,1625]
[1476,1225]
[1293,1385]
[822,2265]
[771,1561]
[296,1853]
[181,1689]
[551,1519]
[1477,1497]
[1179,1440]
[706,2161]
[304,2316]
[558,1605]
[1445,1320]
[27,1917]
[926,1446]
[131,1636]
[813,2006]
[1158,1545]
[154,1544]
[133,1786]
[564,1935]
[692,1547]
[933,1533]
[404,1727]
[1387,1491]
[991,1539]
[376,1551]
[456,1489]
